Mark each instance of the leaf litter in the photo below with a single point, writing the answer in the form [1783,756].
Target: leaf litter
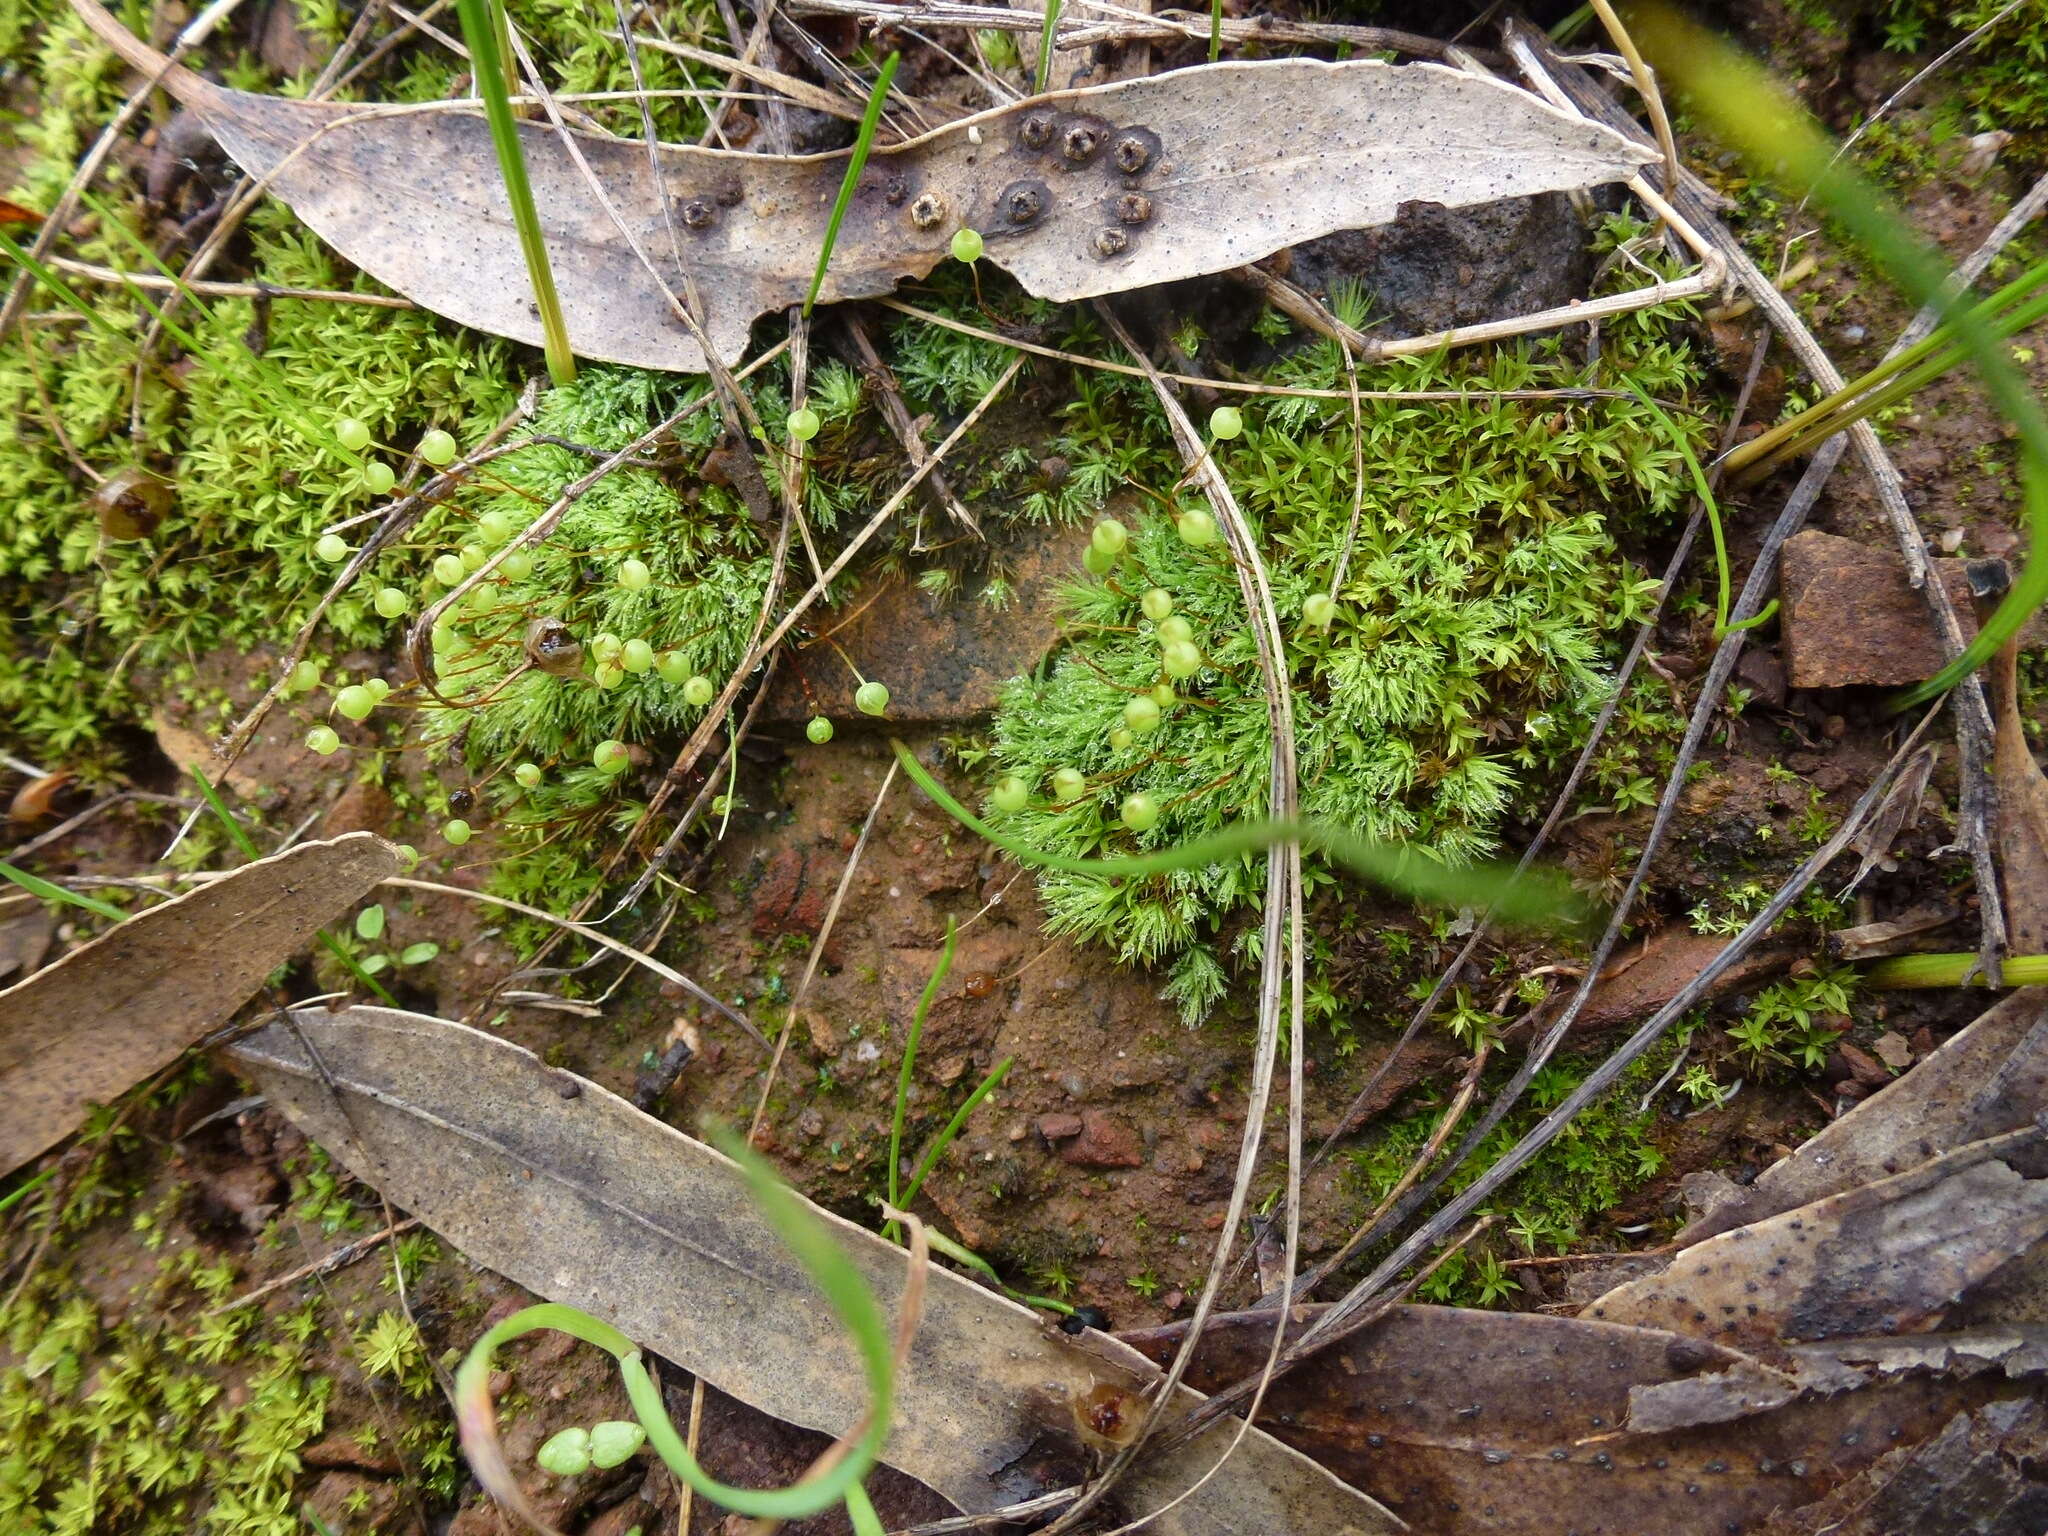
[114,1011]
[1077,193]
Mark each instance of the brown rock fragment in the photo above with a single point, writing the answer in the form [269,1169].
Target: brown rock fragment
[1104,1142]
[1851,618]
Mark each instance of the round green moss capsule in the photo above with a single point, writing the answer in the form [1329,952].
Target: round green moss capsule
[1010,794]
[528,775]
[566,1454]
[1182,659]
[332,548]
[354,702]
[456,831]
[967,245]
[1069,784]
[1140,811]
[871,699]
[720,804]
[516,566]
[670,667]
[610,757]
[1175,631]
[437,448]
[698,691]
[1121,739]
[607,675]
[449,570]
[1109,536]
[474,555]
[606,646]
[323,740]
[1319,609]
[1197,528]
[1095,562]
[494,527]
[408,856]
[1142,715]
[378,477]
[614,1441]
[801,425]
[637,656]
[351,434]
[1226,422]
[390,602]
[379,689]
[305,676]
[634,575]
[1157,603]
[1164,696]
[818,729]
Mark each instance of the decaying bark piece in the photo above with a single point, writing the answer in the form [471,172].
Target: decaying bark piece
[109,1014]
[1077,193]
[1886,1258]
[1520,1424]
[573,1193]
[1976,1085]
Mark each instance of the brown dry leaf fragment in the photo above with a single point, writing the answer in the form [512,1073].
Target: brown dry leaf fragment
[25,939]
[1520,1424]
[38,797]
[1079,193]
[1899,812]
[585,1200]
[14,213]
[1948,1101]
[1900,935]
[2022,814]
[112,1012]
[1890,1257]
[1645,978]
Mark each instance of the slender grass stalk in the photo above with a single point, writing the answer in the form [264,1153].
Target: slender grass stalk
[1529,898]
[829,1270]
[27,1187]
[487,67]
[1705,492]
[1891,380]
[1215,30]
[904,1073]
[1045,36]
[36,885]
[870,120]
[1916,972]
[1750,111]
[954,1126]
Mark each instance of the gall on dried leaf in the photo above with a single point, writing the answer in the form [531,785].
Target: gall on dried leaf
[1077,193]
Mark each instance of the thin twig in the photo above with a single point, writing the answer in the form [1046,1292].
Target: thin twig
[340,1258]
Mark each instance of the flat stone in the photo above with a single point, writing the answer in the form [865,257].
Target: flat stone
[1104,1142]
[1059,1127]
[1851,618]
[1433,267]
[943,661]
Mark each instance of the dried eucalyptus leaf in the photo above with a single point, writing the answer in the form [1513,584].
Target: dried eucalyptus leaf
[1078,193]
[1884,1258]
[573,1193]
[112,1012]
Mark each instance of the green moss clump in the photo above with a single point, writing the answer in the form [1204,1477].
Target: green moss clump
[1467,656]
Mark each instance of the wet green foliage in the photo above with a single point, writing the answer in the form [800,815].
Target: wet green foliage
[1468,652]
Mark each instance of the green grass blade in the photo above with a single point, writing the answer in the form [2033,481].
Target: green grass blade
[487,69]
[937,1149]
[1215,30]
[1705,492]
[1918,972]
[1528,898]
[856,163]
[36,885]
[904,1072]
[1045,36]
[1749,110]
